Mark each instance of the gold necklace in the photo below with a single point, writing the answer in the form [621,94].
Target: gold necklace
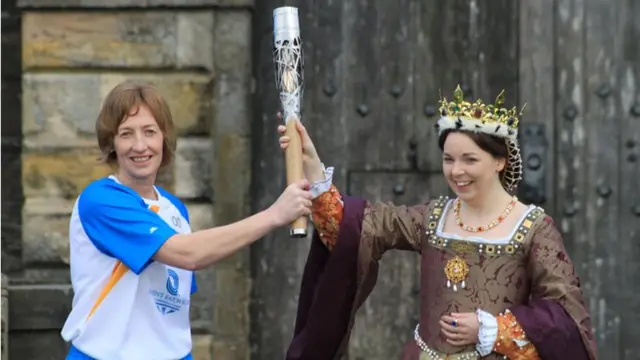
[494,223]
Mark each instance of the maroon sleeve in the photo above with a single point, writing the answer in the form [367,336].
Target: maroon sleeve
[551,330]
[328,290]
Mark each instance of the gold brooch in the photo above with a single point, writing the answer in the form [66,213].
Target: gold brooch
[456,271]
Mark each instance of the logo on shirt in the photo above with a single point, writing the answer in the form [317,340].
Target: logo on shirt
[176,222]
[173,281]
[169,302]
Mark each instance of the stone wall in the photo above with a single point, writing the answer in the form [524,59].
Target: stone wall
[73,53]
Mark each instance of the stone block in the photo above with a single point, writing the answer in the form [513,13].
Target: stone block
[232,49]
[225,3]
[232,177]
[231,304]
[202,345]
[201,216]
[132,3]
[230,349]
[62,174]
[150,39]
[202,302]
[42,275]
[39,307]
[193,168]
[45,236]
[81,3]
[60,110]
[37,345]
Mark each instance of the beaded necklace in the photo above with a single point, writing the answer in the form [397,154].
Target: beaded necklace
[494,223]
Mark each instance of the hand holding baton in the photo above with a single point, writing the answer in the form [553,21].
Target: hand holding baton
[289,65]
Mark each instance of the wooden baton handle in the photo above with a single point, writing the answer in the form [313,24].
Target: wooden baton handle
[295,172]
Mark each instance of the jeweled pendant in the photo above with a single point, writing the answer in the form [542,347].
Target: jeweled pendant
[456,271]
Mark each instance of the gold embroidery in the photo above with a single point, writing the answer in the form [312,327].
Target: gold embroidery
[463,247]
[456,271]
[487,249]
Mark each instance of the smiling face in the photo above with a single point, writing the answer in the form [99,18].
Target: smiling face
[469,169]
[135,132]
[138,145]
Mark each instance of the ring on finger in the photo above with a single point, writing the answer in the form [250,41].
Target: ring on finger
[454,323]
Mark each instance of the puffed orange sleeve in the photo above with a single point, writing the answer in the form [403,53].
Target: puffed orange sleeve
[512,340]
[326,215]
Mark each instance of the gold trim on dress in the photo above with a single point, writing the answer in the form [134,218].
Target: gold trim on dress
[484,248]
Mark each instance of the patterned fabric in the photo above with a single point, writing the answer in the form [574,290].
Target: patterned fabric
[509,334]
[554,278]
[497,277]
[326,214]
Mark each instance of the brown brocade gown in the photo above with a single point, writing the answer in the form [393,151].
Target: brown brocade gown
[529,273]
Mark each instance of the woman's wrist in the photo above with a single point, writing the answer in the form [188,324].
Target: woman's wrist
[315,171]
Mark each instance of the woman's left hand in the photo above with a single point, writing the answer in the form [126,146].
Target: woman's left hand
[460,328]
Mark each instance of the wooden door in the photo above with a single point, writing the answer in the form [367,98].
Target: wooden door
[374,73]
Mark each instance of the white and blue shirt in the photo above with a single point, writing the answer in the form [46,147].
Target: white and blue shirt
[145,313]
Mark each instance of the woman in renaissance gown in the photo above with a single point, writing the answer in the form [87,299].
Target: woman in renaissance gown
[496,279]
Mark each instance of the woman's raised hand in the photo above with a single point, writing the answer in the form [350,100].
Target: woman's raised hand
[312,164]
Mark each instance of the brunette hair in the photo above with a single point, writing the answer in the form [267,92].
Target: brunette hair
[494,145]
[125,100]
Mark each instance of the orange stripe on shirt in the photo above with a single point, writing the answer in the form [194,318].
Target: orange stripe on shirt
[116,274]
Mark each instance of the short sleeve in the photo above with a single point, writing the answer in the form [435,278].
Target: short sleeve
[194,284]
[118,223]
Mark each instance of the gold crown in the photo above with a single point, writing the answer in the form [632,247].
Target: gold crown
[485,113]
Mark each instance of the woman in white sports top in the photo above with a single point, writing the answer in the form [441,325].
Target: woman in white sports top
[133,254]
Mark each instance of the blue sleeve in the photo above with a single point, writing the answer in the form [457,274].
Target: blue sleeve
[119,224]
[194,284]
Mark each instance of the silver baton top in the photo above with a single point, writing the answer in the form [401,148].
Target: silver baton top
[286,25]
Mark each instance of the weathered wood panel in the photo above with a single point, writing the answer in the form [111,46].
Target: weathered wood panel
[378,51]
[491,55]
[536,84]
[628,252]
[602,169]
[379,97]
[439,68]
[570,111]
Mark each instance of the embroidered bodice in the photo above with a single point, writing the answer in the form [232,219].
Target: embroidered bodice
[465,274]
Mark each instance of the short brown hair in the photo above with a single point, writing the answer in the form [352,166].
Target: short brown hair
[125,100]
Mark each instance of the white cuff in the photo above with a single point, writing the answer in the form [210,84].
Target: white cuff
[320,187]
[488,332]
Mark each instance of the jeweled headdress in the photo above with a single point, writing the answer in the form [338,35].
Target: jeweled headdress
[490,119]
